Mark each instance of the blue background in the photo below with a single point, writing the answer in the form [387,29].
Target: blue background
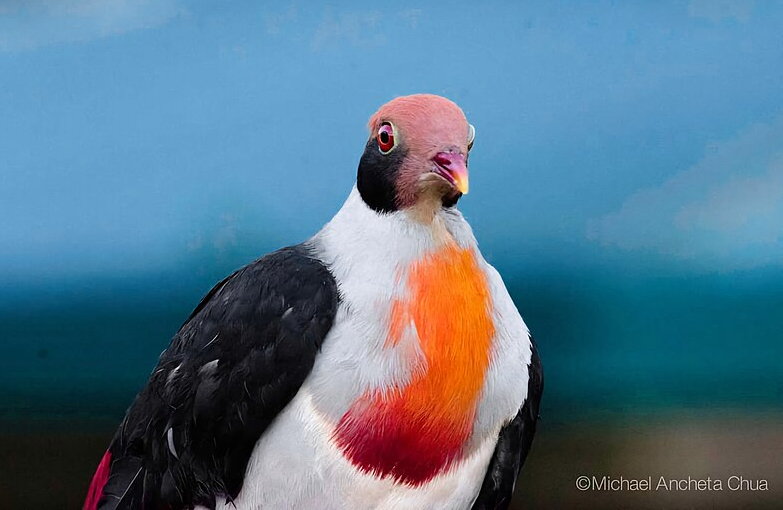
[627,181]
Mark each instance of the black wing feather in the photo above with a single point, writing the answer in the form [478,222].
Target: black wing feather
[232,367]
[123,488]
[513,444]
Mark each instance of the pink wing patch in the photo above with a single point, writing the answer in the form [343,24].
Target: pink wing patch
[98,483]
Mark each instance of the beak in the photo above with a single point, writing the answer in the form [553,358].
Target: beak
[452,167]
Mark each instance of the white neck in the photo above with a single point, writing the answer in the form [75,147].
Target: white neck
[359,237]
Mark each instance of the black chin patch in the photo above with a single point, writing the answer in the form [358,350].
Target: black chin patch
[451,201]
[377,177]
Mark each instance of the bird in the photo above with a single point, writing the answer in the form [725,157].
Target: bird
[379,364]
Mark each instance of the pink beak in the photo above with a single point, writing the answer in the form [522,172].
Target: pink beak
[452,167]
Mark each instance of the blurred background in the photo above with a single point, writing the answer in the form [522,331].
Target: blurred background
[627,182]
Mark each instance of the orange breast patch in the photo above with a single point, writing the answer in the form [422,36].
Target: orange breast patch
[415,432]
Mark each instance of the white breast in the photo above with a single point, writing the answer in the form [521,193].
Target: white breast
[296,464]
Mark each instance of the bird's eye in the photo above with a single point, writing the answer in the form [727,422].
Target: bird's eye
[471,136]
[386,137]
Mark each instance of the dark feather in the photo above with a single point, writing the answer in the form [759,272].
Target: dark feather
[123,490]
[233,366]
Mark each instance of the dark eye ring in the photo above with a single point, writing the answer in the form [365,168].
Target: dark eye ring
[385,137]
[471,136]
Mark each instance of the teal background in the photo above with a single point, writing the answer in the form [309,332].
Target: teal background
[627,182]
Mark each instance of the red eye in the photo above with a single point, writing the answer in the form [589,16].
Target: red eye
[386,138]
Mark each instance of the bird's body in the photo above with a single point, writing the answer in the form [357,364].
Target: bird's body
[379,365]
[364,360]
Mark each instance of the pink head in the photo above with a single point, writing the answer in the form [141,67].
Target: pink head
[416,155]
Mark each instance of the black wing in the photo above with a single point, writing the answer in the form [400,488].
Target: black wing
[232,367]
[513,444]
